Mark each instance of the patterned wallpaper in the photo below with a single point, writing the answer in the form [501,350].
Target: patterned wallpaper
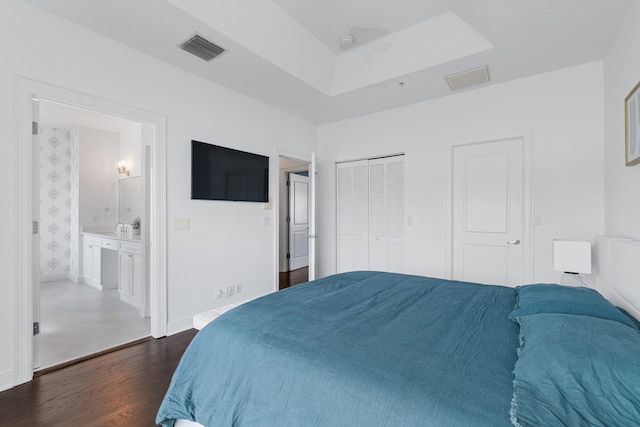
[74,244]
[55,203]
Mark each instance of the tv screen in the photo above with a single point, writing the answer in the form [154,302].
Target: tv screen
[220,173]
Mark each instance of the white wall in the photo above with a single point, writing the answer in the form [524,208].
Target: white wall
[131,149]
[224,236]
[621,74]
[563,107]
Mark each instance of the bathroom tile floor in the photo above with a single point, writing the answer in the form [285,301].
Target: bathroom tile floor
[77,320]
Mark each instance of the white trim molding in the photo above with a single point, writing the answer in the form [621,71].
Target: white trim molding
[53,277]
[180,326]
[24,91]
[6,380]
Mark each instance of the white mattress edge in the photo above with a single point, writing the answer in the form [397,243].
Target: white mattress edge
[186,423]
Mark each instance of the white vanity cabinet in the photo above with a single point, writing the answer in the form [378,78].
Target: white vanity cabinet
[91,260]
[130,273]
[113,261]
[98,267]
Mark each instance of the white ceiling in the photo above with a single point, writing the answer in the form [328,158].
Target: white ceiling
[370,19]
[286,52]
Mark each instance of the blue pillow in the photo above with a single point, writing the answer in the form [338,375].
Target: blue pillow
[549,298]
[576,370]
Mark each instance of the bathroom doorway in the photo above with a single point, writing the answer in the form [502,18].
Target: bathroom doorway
[91,177]
[25,206]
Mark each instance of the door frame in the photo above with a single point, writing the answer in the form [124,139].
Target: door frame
[277,178]
[24,91]
[528,139]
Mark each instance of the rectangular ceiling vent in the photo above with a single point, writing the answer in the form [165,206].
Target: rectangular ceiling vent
[467,78]
[201,47]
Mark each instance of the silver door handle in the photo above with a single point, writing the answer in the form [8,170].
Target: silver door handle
[514,242]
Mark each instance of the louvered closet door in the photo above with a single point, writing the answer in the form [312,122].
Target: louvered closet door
[386,214]
[359,218]
[395,213]
[352,221]
[370,215]
[377,215]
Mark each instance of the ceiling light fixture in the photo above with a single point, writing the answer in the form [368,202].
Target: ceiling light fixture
[346,41]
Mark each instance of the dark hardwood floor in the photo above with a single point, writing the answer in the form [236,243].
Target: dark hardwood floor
[122,388]
[295,277]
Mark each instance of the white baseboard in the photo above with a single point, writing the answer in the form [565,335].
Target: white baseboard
[179,326]
[7,380]
[93,283]
[129,299]
[53,277]
[76,278]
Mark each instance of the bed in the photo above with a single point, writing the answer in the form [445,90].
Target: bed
[382,349]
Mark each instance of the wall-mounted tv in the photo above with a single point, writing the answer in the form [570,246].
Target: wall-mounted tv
[220,173]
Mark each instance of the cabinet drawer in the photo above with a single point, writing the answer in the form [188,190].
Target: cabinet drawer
[130,247]
[109,244]
[91,240]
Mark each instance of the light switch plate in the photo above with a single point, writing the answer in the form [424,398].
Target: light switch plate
[181,224]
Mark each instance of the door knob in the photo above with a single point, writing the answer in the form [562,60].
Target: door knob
[514,242]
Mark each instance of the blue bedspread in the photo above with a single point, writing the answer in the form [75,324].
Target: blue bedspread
[354,349]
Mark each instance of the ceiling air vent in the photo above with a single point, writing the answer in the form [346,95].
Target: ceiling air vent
[468,78]
[202,48]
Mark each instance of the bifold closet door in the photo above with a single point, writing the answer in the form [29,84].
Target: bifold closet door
[352,216]
[370,214]
[377,215]
[395,213]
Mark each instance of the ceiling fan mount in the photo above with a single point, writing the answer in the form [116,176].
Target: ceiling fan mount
[360,36]
[346,41]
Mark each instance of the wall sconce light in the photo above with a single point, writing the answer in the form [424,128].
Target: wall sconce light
[572,257]
[123,168]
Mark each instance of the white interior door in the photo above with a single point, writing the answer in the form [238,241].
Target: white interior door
[488,212]
[35,243]
[298,221]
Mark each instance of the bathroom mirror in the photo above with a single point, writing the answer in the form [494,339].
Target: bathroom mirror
[130,199]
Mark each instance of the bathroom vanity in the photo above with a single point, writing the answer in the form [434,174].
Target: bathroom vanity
[114,260]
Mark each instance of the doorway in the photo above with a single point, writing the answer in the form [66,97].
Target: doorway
[26,287]
[293,222]
[285,165]
[81,191]
[491,210]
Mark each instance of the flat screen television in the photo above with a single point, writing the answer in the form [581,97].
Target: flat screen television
[220,173]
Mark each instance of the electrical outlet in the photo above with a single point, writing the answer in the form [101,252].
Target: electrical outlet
[238,288]
[231,291]
[220,294]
